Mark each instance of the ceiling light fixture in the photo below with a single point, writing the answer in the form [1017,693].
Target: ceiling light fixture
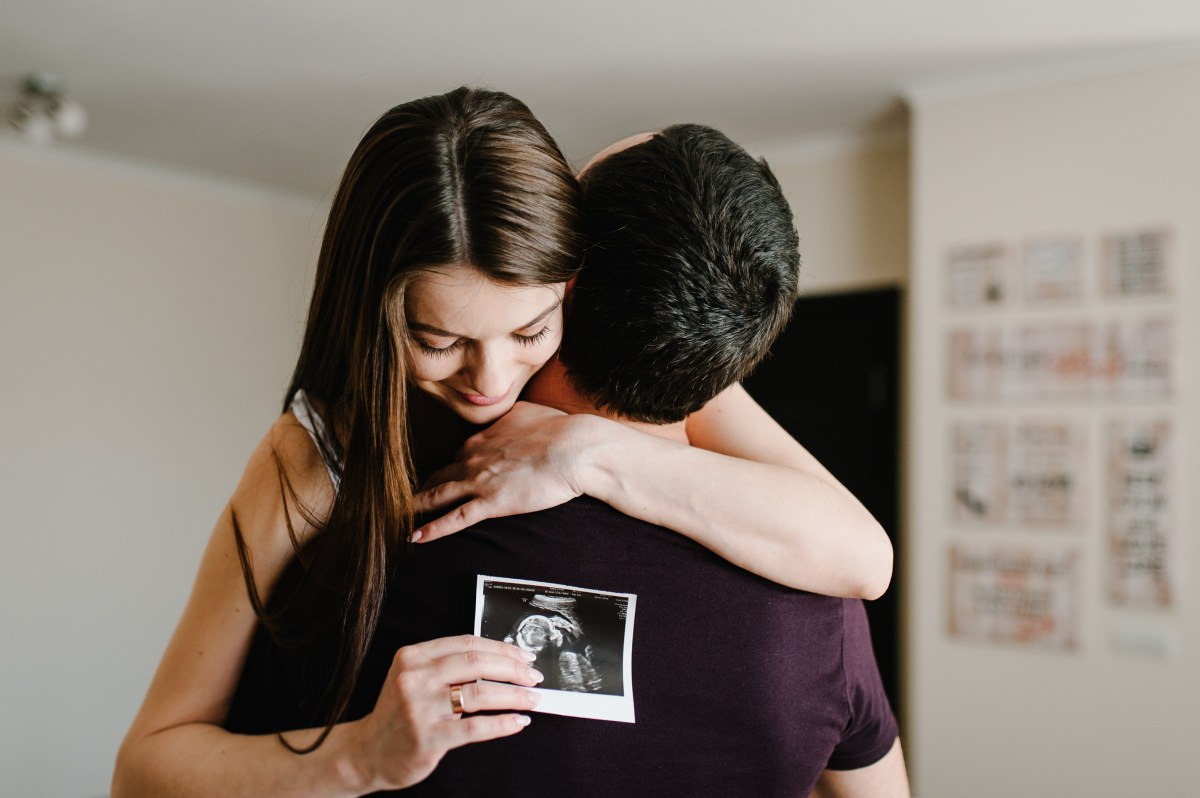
[42,112]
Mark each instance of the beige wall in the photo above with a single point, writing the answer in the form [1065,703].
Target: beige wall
[851,202]
[148,325]
[1085,158]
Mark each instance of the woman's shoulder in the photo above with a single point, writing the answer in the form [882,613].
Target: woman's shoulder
[285,484]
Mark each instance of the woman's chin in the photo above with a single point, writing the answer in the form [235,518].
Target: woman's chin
[486,415]
[479,414]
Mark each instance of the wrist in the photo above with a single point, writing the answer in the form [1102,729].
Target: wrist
[595,466]
[350,763]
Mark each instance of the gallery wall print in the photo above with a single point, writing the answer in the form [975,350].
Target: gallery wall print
[1137,263]
[1139,491]
[977,275]
[1029,473]
[1118,358]
[1017,596]
[1052,270]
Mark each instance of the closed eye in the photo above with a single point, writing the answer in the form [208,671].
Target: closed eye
[439,351]
[533,340]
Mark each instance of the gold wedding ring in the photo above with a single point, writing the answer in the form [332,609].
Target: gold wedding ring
[456,704]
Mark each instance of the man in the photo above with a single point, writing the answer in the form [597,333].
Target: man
[741,686]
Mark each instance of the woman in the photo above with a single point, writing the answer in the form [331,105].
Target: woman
[443,267]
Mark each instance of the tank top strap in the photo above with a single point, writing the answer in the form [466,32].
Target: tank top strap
[308,417]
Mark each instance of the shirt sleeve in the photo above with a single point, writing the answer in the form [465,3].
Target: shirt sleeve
[871,730]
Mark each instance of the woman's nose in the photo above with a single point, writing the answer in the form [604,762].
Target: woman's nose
[489,372]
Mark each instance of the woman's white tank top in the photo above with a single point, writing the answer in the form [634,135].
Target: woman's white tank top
[304,412]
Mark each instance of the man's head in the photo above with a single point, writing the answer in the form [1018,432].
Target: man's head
[690,273]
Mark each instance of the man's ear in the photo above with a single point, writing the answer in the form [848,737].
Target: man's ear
[568,296]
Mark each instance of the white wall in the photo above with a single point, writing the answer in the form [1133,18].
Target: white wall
[1084,157]
[148,325]
[850,199]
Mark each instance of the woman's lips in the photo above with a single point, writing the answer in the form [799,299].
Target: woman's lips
[482,401]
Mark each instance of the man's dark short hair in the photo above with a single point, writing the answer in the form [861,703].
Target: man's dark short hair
[690,273]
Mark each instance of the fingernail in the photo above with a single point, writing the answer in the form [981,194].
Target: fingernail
[521,720]
[415,537]
[536,676]
[528,656]
[534,698]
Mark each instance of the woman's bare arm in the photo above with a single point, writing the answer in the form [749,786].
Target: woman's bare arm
[744,489]
[176,745]
[887,778]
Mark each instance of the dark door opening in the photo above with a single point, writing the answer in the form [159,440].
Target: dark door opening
[832,382]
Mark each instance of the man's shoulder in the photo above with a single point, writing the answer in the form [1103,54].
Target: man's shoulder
[585,524]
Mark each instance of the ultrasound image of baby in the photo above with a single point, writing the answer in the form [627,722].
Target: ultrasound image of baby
[551,631]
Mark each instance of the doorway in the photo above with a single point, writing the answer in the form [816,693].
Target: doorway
[832,381]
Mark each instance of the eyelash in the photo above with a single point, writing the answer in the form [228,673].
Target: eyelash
[536,338]
[443,351]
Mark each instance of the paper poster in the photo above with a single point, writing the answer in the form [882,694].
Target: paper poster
[1140,357]
[980,476]
[582,638]
[976,364]
[1052,360]
[1028,474]
[1137,263]
[1052,270]
[977,275]
[1024,597]
[1046,474]
[1140,547]
[1132,358]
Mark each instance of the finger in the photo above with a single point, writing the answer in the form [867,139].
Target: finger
[480,696]
[437,496]
[458,519]
[462,731]
[472,665]
[455,471]
[445,646]
[471,443]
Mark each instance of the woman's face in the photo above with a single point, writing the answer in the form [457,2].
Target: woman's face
[474,342]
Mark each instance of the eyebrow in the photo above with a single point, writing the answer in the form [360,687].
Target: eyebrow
[416,326]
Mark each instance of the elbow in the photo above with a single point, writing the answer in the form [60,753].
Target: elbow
[861,568]
[124,781]
[120,779]
[878,560]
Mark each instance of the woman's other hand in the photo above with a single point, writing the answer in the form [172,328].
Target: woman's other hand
[414,722]
[527,461]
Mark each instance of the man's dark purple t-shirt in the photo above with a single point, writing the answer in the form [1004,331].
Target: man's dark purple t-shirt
[741,686]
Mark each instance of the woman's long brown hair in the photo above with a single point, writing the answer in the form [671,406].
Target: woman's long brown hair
[466,177]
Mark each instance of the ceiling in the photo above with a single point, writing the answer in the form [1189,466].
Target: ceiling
[277,92]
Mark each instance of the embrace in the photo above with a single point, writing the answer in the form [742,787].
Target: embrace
[512,370]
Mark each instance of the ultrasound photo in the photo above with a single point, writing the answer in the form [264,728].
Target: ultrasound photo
[581,637]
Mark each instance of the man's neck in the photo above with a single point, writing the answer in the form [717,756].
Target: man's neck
[551,387]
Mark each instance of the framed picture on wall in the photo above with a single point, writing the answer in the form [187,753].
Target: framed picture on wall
[1140,357]
[1140,544]
[1018,596]
[1137,263]
[980,486]
[1028,474]
[1052,270]
[977,275]
[976,362]
[1046,469]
